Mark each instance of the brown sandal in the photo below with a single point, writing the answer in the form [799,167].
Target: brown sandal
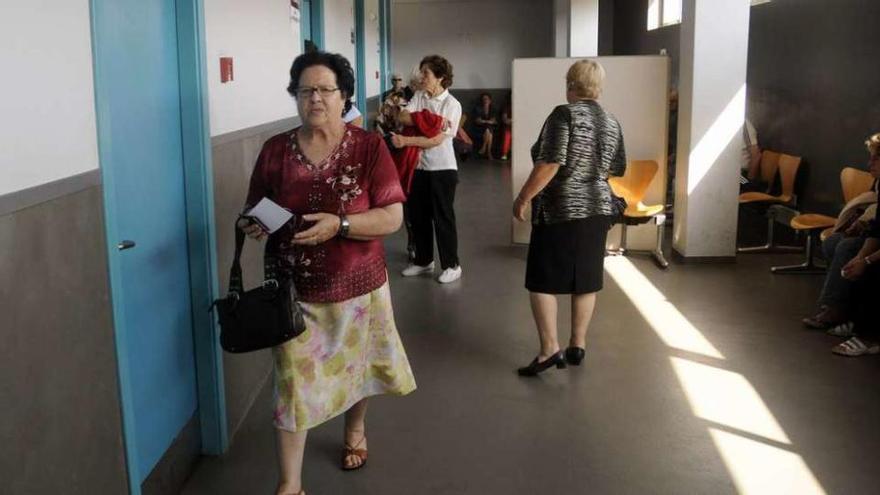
[360,454]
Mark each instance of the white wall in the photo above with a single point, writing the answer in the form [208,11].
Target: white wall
[479,37]
[635,92]
[263,42]
[584,26]
[47,128]
[712,100]
[561,16]
[372,48]
[338,28]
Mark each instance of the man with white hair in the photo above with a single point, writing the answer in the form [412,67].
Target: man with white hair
[397,86]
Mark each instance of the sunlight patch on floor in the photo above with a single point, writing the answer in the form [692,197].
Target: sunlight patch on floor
[720,397]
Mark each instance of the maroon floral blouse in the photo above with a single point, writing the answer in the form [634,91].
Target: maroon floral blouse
[357,176]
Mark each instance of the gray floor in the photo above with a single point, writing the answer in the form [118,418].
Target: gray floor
[622,423]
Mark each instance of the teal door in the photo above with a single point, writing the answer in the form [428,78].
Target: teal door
[138,97]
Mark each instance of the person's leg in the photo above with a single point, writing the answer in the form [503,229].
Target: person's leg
[865,316]
[836,289]
[829,245]
[490,138]
[420,204]
[582,306]
[291,447]
[487,137]
[544,309]
[505,147]
[410,237]
[355,432]
[443,184]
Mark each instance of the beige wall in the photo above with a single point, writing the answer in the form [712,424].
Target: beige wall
[60,419]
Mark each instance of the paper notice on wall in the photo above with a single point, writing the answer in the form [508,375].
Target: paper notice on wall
[294,10]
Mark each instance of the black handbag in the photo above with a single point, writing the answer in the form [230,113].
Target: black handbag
[266,316]
[618,206]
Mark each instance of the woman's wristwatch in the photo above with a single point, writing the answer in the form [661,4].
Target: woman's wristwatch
[344,226]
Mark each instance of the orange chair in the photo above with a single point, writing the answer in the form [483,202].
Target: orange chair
[853,182]
[787,166]
[632,187]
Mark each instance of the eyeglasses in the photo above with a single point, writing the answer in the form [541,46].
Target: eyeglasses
[306,93]
[396,80]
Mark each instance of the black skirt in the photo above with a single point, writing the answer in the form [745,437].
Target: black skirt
[567,257]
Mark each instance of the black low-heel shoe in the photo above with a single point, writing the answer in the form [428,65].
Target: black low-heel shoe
[535,367]
[574,356]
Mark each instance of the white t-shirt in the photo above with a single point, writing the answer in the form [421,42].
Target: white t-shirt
[750,138]
[442,156]
[351,115]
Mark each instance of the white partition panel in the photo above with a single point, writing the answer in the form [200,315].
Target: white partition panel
[635,92]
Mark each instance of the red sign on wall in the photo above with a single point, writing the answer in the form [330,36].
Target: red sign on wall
[225,69]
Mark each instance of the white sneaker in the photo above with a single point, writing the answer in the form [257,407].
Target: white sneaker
[855,347]
[450,275]
[412,270]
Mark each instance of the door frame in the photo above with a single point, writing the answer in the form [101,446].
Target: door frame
[384,46]
[360,51]
[201,237]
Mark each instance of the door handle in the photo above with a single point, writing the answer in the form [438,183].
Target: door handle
[122,246]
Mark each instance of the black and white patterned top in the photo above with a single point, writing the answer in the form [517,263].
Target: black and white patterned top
[587,143]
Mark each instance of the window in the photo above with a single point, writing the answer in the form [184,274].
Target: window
[662,13]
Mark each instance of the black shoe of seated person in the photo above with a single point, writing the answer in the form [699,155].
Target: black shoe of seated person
[574,355]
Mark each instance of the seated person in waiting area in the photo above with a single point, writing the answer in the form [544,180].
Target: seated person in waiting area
[462,142]
[484,122]
[750,180]
[840,247]
[864,271]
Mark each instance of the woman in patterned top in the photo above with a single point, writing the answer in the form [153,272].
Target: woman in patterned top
[580,146]
[340,180]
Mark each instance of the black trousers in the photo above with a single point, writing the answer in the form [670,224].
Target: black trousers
[431,211]
[866,295]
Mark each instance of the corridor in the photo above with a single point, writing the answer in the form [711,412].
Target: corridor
[646,413]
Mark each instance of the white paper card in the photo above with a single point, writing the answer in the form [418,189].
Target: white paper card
[270,214]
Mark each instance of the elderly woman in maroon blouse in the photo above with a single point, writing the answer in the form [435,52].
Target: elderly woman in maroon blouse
[341,183]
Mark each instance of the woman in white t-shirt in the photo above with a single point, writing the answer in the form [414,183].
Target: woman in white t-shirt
[433,186]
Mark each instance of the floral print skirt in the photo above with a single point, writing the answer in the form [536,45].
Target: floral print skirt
[350,350]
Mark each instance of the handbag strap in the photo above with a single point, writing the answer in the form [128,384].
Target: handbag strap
[235,278]
[271,269]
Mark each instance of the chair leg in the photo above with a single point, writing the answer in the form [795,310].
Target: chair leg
[658,251]
[621,248]
[770,246]
[807,267]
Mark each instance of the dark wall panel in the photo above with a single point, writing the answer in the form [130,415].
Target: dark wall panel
[813,81]
[814,86]
[60,422]
[631,35]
